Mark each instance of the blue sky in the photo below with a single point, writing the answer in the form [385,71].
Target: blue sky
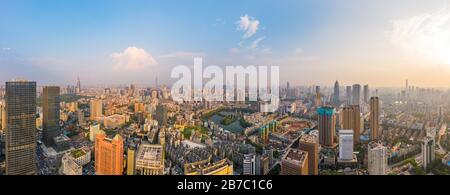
[55,41]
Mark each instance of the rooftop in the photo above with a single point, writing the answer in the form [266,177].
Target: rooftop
[295,156]
[308,138]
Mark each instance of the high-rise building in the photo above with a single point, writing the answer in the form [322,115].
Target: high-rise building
[374,118]
[377,159]
[20,107]
[78,89]
[366,94]
[336,94]
[318,97]
[351,119]
[345,144]
[96,107]
[428,151]
[94,129]
[356,94]
[150,160]
[131,161]
[327,125]
[309,144]
[295,162]
[264,165]
[249,164]
[50,112]
[348,95]
[108,155]
[131,90]
[288,90]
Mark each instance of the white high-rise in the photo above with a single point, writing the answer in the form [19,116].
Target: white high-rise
[345,144]
[377,159]
[249,164]
[428,155]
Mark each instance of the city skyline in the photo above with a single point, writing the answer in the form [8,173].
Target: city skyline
[111,42]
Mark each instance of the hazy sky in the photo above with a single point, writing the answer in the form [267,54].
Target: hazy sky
[379,42]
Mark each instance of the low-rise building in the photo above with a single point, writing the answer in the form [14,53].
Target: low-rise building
[69,166]
[222,167]
[149,160]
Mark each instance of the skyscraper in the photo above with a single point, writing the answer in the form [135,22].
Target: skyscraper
[96,107]
[78,89]
[131,161]
[352,120]
[428,151]
[288,90]
[50,110]
[108,155]
[348,95]
[327,125]
[318,100]
[336,94]
[345,144]
[295,162]
[20,107]
[356,94]
[366,94]
[309,144]
[374,118]
[377,159]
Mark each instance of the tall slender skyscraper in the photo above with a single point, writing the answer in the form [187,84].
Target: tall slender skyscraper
[428,151]
[50,106]
[366,94]
[327,125]
[348,95]
[336,94]
[352,120]
[318,101]
[374,118]
[78,89]
[20,107]
[356,94]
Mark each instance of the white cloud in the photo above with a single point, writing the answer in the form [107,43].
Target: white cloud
[248,25]
[132,58]
[298,50]
[182,54]
[255,43]
[424,37]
